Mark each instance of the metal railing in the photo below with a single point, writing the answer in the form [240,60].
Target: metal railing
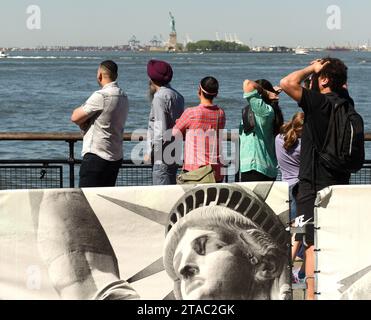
[51,173]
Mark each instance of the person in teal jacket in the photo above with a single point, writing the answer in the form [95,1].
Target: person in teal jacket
[258,160]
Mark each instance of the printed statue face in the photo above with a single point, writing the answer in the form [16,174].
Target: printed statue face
[211,264]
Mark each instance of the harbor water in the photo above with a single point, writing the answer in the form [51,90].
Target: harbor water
[39,90]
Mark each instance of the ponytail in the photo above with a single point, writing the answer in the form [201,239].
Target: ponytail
[292,130]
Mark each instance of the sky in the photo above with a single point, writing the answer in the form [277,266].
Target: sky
[255,22]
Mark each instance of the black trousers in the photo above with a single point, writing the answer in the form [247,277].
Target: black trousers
[305,199]
[97,172]
[251,176]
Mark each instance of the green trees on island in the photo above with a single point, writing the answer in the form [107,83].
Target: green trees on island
[208,45]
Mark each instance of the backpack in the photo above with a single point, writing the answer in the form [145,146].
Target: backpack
[248,119]
[343,149]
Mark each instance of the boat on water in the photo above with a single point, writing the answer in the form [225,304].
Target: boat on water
[301,51]
[3,55]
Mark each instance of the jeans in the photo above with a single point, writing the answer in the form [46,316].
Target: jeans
[97,172]
[164,174]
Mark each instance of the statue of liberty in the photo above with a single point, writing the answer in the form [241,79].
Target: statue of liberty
[172,23]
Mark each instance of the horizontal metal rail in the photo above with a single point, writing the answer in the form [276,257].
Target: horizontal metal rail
[76,136]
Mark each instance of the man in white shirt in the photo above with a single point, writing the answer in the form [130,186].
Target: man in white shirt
[102,118]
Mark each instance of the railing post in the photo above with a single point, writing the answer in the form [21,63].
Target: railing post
[71,161]
[237,177]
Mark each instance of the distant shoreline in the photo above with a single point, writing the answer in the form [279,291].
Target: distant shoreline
[314,50]
[311,52]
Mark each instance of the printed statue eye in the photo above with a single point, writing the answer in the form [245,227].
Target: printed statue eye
[199,245]
[206,244]
[214,245]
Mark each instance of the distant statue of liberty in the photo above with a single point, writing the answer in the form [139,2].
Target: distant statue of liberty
[172,23]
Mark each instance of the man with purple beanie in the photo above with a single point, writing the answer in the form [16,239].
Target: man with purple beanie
[167,106]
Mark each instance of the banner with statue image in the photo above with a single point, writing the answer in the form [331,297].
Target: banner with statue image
[342,241]
[216,241]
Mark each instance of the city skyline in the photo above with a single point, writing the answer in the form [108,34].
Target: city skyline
[91,23]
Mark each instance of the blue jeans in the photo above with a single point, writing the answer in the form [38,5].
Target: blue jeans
[163,174]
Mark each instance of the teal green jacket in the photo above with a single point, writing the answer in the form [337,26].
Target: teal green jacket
[257,149]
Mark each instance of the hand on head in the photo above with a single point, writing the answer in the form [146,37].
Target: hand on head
[272,96]
[278,89]
[319,64]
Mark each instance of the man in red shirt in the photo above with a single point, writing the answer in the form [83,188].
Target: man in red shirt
[201,126]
